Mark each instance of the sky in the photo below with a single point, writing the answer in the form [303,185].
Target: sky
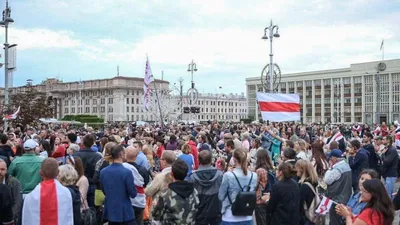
[88,39]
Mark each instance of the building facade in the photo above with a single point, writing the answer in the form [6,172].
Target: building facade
[221,107]
[365,93]
[115,99]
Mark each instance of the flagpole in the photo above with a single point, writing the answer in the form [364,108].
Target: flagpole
[383,50]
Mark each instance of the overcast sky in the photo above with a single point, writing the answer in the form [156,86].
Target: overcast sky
[87,39]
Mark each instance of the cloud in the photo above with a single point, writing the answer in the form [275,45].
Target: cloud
[38,38]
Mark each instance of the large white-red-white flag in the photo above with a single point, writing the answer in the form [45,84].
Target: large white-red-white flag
[49,203]
[148,78]
[324,206]
[279,107]
[12,116]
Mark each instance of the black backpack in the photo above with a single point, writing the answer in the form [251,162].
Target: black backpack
[245,202]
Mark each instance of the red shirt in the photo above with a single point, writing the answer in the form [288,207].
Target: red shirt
[384,131]
[160,151]
[370,216]
[59,152]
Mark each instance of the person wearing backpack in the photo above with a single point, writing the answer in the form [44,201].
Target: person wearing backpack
[283,202]
[309,198]
[263,168]
[237,192]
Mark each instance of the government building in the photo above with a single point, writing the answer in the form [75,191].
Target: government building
[364,93]
[121,99]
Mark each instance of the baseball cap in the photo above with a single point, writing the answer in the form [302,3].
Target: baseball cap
[336,153]
[30,144]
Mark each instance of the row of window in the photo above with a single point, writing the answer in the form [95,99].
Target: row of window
[87,110]
[88,93]
[87,101]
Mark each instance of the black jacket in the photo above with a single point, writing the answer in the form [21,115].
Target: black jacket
[390,159]
[7,152]
[76,204]
[89,159]
[372,157]
[101,164]
[207,181]
[6,213]
[143,172]
[306,196]
[284,203]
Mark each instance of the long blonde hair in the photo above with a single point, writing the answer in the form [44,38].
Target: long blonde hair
[149,154]
[308,172]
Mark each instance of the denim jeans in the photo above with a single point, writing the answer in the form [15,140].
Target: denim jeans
[389,185]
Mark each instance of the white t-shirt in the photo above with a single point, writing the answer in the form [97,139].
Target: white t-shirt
[302,155]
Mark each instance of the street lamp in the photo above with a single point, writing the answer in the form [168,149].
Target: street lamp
[270,32]
[180,90]
[192,67]
[6,20]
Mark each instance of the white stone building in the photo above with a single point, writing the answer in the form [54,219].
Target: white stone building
[221,107]
[345,95]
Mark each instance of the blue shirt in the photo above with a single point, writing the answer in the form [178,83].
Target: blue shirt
[266,141]
[355,204]
[188,158]
[141,160]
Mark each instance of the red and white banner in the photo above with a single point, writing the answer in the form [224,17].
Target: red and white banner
[337,137]
[148,78]
[279,107]
[12,116]
[49,203]
[324,206]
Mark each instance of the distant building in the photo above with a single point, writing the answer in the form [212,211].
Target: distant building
[221,107]
[345,95]
[114,99]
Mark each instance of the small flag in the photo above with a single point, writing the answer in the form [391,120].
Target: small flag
[382,44]
[279,107]
[148,78]
[12,116]
[337,137]
[324,206]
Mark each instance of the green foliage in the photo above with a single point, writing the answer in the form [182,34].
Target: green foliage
[90,119]
[34,105]
[246,121]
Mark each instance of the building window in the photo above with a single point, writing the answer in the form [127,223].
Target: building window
[137,101]
[66,102]
[132,117]
[133,109]
[127,109]
[94,109]
[102,109]
[66,110]
[110,109]
[94,101]
[87,102]
[73,110]
[127,116]
[87,110]
[103,101]
[127,101]
[110,101]
[132,101]
[137,110]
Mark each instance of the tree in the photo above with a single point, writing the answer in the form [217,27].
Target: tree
[163,106]
[34,105]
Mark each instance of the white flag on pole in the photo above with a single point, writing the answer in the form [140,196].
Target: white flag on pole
[148,78]
[324,206]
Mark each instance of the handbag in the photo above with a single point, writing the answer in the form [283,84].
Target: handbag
[88,214]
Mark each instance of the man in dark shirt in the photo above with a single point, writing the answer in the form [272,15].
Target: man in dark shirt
[372,157]
[6,213]
[5,150]
[358,161]
[89,159]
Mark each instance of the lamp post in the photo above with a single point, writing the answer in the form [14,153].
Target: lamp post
[6,20]
[192,67]
[270,32]
[337,93]
[180,90]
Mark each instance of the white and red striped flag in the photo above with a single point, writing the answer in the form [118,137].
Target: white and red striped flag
[148,78]
[337,137]
[12,116]
[49,203]
[324,206]
[279,107]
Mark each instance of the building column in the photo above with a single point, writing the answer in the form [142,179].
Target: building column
[390,116]
[363,119]
[352,100]
[375,90]
[313,101]
[341,101]
[304,102]
[333,109]
[322,101]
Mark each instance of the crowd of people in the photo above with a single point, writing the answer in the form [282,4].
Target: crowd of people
[239,174]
